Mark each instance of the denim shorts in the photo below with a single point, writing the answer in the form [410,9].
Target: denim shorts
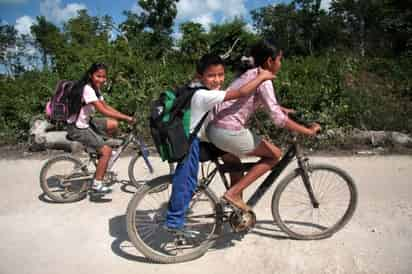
[91,136]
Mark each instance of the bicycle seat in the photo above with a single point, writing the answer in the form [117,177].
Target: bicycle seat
[209,152]
[112,142]
[88,150]
[69,138]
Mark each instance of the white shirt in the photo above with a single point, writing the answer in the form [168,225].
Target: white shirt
[202,101]
[89,96]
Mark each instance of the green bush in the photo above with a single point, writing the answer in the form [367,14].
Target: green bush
[336,90]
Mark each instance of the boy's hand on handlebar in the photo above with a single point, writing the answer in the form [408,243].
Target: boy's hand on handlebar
[314,129]
[265,74]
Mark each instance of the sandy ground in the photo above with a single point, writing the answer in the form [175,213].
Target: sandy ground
[89,237]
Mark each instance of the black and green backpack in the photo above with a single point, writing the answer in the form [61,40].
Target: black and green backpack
[170,123]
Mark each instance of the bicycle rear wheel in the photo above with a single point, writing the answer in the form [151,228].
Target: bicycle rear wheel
[62,179]
[146,215]
[299,218]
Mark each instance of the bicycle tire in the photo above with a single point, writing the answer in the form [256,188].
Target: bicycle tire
[152,251]
[77,192]
[293,227]
[139,172]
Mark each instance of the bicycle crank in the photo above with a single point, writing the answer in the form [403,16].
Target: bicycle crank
[242,221]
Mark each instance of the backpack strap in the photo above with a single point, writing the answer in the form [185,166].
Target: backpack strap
[184,96]
[197,128]
[183,99]
[194,133]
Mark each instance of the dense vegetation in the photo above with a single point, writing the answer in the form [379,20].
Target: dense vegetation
[347,67]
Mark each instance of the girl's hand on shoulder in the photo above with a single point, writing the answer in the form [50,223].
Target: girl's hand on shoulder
[265,74]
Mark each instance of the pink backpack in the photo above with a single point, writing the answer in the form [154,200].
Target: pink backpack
[57,108]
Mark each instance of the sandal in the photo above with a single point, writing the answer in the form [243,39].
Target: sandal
[237,204]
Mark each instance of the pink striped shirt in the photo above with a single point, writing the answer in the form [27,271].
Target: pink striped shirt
[234,114]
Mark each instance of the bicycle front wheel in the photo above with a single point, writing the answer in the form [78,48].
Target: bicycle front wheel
[63,180]
[296,215]
[143,170]
[146,215]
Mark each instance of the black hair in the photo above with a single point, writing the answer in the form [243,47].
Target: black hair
[75,98]
[207,60]
[259,53]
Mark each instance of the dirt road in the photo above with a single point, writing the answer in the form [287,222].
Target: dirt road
[88,237]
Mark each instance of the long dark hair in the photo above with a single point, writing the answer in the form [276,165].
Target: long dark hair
[75,98]
[259,53]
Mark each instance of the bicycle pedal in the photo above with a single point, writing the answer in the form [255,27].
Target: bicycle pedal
[232,207]
[182,233]
[94,193]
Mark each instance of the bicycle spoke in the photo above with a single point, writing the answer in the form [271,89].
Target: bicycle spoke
[62,180]
[299,218]
[149,211]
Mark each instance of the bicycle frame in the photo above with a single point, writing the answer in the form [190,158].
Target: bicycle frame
[292,152]
[130,138]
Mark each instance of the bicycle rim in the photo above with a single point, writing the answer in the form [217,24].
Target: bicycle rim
[146,215]
[139,172]
[292,208]
[62,180]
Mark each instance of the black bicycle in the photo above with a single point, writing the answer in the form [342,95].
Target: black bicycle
[312,202]
[66,178]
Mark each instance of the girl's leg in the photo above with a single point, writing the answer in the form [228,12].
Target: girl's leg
[229,158]
[105,153]
[112,127]
[270,155]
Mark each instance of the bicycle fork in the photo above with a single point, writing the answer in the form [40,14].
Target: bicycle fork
[303,170]
[145,154]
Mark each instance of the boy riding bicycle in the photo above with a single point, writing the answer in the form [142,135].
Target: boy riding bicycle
[210,77]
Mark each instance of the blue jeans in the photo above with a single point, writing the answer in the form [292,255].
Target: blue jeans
[184,185]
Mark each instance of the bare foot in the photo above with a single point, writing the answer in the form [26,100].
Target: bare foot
[237,202]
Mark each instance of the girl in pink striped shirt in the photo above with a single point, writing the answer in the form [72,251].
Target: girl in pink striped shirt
[228,132]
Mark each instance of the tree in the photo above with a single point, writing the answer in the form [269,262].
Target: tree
[308,19]
[8,37]
[16,50]
[87,41]
[133,30]
[397,25]
[193,43]
[82,29]
[48,38]
[361,23]
[233,37]
[299,28]
[153,25]
[278,24]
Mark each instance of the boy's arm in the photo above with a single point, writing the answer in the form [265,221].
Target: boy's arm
[249,87]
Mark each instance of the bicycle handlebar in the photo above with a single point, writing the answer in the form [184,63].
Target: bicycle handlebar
[299,117]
